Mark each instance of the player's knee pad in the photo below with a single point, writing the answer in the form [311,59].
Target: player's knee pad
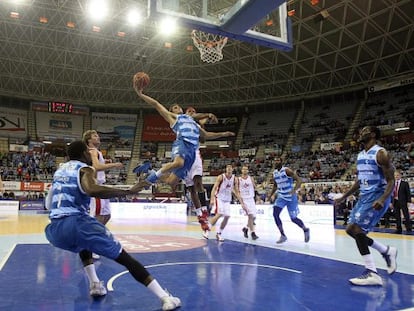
[85,255]
[362,243]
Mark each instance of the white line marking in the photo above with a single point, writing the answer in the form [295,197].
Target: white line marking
[111,281]
[5,258]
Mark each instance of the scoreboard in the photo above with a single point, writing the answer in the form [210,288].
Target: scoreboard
[60,107]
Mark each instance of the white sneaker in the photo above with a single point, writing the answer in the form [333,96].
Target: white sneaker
[96,256]
[390,257]
[367,278]
[97,289]
[219,237]
[170,303]
[205,234]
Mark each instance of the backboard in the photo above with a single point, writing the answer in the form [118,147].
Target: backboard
[261,22]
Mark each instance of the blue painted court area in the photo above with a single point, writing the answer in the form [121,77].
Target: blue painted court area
[218,277]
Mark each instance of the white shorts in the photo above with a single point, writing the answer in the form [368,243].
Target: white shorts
[196,170]
[99,207]
[221,207]
[251,206]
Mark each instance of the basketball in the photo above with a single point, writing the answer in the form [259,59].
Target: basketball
[141,80]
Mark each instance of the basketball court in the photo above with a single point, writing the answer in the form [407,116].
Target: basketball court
[237,274]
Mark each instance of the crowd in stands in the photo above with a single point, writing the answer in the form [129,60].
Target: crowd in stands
[27,166]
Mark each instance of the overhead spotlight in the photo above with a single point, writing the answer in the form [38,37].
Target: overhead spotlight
[70,24]
[168,26]
[321,16]
[43,19]
[15,15]
[134,17]
[98,9]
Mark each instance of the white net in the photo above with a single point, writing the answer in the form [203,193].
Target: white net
[209,45]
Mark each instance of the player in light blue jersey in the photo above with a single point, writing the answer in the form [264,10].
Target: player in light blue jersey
[375,182]
[73,229]
[287,183]
[184,147]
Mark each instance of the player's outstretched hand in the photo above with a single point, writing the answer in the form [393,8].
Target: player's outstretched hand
[139,186]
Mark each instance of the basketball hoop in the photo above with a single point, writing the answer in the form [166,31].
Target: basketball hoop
[209,45]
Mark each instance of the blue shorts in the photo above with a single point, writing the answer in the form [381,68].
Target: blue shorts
[82,232]
[364,215]
[292,205]
[186,151]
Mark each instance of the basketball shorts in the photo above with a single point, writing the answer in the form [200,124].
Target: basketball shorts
[196,170]
[186,151]
[221,207]
[99,207]
[291,204]
[364,215]
[251,206]
[79,232]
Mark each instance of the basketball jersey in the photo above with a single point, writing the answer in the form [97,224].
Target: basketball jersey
[100,175]
[225,188]
[284,183]
[246,187]
[186,129]
[370,175]
[68,196]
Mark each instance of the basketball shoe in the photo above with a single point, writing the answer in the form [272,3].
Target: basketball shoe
[144,167]
[390,257]
[170,302]
[97,289]
[307,234]
[367,278]
[282,239]
[152,178]
[245,232]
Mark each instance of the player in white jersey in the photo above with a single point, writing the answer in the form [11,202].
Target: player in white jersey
[221,195]
[193,180]
[99,208]
[247,188]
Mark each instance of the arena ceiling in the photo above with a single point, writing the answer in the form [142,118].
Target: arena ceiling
[360,43]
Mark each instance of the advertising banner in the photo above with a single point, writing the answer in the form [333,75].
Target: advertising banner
[13,122]
[156,129]
[115,128]
[59,125]
[38,205]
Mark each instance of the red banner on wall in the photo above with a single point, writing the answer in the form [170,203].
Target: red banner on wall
[32,186]
[156,129]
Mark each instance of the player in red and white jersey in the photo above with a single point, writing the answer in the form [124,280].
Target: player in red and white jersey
[221,195]
[247,188]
